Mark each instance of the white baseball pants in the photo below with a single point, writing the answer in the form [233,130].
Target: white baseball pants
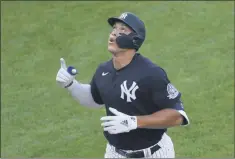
[166,150]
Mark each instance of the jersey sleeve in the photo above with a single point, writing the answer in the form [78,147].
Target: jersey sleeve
[164,93]
[95,91]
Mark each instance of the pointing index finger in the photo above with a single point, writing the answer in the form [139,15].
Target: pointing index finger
[63,64]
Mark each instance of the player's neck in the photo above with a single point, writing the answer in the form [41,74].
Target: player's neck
[123,59]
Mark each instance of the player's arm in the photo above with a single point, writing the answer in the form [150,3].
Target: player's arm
[165,118]
[85,94]
[167,99]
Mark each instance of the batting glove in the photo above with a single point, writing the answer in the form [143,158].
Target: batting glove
[120,123]
[65,76]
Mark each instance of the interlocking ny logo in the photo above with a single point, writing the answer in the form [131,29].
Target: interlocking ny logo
[123,16]
[130,93]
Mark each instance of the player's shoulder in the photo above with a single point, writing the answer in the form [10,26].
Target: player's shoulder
[151,68]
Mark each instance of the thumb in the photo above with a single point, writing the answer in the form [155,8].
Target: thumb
[63,64]
[115,112]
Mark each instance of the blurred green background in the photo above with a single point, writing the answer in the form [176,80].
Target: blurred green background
[192,41]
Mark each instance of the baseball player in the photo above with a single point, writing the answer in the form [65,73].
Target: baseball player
[140,101]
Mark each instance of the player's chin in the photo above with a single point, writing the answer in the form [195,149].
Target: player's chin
[112,48]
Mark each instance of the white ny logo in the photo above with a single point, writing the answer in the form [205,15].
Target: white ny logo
[123,16]
[130,93]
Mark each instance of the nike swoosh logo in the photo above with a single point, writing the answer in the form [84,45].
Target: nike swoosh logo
[104,74]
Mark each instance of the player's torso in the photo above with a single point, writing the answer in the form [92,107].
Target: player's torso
[128,91]
[125,89]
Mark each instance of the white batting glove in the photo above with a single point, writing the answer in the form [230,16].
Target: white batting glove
[65,76]
[120,123]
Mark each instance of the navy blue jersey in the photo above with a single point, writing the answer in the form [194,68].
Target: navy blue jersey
[140,88]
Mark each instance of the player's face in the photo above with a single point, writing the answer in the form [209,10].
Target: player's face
[116,30]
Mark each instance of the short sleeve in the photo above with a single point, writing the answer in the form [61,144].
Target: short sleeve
[95,92]
[164,93]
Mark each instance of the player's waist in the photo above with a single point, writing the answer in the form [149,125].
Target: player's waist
[140,153]
[134,141]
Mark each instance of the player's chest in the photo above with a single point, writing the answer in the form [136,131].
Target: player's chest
[122,87]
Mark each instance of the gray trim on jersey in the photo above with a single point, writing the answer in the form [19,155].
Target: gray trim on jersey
[82,93]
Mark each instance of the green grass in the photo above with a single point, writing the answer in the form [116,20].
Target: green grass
[193,41]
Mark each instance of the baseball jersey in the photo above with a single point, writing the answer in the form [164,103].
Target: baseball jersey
[139,88]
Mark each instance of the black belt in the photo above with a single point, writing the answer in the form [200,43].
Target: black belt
[137,154]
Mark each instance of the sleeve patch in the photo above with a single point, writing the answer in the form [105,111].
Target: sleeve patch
[172,91]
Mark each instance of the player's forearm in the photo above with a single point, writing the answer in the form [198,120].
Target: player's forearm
[161,119]
[82,94]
